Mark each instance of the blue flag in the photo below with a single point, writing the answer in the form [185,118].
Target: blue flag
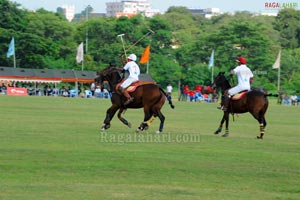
[211,60]
[11,48]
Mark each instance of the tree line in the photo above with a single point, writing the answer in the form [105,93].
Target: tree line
[180,47]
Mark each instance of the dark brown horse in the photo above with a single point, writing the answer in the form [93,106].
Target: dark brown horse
[148,96]
[254,101]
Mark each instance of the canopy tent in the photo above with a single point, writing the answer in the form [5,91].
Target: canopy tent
[45,75]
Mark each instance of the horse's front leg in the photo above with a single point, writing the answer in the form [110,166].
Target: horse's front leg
[226,116]
[109,116]
[219,130]
[123,120]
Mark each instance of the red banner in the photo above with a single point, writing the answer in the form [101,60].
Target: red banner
[16,91]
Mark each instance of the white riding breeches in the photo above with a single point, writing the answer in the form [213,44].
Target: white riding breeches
[128,82]
[237,89]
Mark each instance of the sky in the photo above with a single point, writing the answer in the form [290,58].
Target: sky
[257,6]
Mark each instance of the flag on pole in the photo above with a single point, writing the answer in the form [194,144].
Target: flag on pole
[11,48]
[79,57]
[211,60]
[276,65]
[146,55]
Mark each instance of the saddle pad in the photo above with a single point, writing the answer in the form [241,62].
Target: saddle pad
[238,96]
[134,85]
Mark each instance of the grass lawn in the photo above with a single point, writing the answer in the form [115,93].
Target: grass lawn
[52,148]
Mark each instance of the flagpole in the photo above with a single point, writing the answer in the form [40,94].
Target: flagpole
[211,65]
[147,70]
[276,65]
[14,55]
[278,80]
[14,59]
[212,74]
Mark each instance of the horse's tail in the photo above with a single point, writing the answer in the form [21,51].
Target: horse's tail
[271,95]
[168,98]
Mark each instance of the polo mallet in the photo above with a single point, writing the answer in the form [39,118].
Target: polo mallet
[147,34]
[121,36]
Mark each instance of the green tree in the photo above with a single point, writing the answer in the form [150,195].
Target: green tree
[287,23]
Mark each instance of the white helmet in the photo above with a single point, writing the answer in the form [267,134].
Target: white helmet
[132,57]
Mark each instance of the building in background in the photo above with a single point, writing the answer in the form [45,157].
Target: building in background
[68,11]
[130,8]
[207,12]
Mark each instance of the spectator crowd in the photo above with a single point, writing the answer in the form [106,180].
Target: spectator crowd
[198,94]
[83,90]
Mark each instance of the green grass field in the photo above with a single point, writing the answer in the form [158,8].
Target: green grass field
[52,148]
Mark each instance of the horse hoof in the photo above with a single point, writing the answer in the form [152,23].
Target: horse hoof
[105,126]
[225,135]
[138,130]
[259,137]
[217,132]
[158,132]
[129,125]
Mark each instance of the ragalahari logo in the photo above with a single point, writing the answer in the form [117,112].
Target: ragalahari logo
[280,5]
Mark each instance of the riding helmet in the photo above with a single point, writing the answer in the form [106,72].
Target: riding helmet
[132,57]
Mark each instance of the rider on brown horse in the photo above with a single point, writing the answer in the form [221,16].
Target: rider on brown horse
[134,72]
[245,78]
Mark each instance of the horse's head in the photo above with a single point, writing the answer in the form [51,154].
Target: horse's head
[110,74]
[221,81]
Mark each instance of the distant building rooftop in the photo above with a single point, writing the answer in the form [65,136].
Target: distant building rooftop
[207,12]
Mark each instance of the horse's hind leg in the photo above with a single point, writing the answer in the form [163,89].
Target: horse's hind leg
[123,120]
[148,118]
[162,121]
[262,125]
[156,109]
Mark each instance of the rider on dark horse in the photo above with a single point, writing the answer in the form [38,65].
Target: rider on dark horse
[245,78]
[134,72]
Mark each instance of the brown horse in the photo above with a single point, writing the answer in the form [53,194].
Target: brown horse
[254,101]
[148,96]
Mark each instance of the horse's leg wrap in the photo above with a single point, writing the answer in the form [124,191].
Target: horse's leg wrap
[106,123]
[161,127]
[107,118]
[149,121]
[143,126]
[226,133]
[262,130]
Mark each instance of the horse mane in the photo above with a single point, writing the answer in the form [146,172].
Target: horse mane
[110,69]
[222,81]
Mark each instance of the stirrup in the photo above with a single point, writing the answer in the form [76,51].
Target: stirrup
[222,108]
[128,101]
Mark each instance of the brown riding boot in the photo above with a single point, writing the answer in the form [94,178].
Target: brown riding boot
[126,94]
[226,100]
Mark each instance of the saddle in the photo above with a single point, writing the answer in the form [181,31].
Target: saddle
[239,95]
